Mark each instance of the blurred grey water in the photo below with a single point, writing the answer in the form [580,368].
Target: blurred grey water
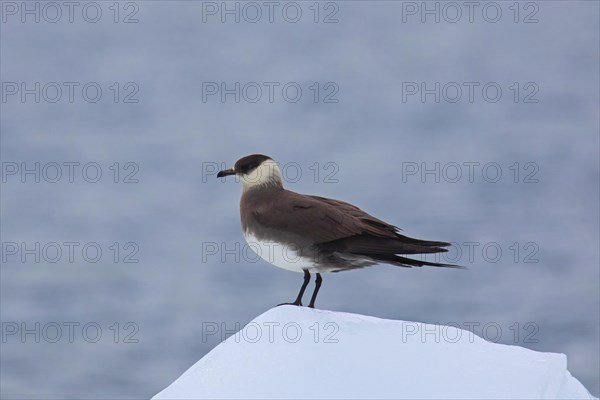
[360,131]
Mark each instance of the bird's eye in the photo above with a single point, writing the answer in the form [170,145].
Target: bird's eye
[250,167]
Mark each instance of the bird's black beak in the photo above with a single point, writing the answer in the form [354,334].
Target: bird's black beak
[226,172]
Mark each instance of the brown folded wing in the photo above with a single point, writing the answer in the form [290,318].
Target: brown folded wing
[335,225]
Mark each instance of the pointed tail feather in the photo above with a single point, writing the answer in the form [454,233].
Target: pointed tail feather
[409,262]
[373,245]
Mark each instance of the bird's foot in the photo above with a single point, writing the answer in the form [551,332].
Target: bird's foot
[296,303]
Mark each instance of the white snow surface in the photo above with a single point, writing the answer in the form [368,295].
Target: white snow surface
[298,352]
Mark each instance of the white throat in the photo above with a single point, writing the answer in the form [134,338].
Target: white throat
[267,173]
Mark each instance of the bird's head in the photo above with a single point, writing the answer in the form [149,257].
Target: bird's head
[256,170]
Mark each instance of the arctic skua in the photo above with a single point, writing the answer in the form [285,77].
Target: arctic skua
[305,234]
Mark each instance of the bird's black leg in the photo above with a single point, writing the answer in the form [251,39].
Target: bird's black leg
[298,301]
[314,295]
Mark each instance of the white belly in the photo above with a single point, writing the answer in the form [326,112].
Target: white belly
[282,256]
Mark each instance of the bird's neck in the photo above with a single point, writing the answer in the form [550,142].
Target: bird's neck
[263,187]
[266,181]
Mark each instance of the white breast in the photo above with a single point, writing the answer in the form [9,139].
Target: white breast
[280,255]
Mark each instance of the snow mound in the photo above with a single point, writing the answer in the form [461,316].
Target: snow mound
[297,352]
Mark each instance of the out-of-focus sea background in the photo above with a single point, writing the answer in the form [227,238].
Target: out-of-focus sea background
[349,104]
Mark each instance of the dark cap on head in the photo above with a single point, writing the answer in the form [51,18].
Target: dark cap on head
[245,165]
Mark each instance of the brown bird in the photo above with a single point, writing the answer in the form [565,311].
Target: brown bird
[305,234]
